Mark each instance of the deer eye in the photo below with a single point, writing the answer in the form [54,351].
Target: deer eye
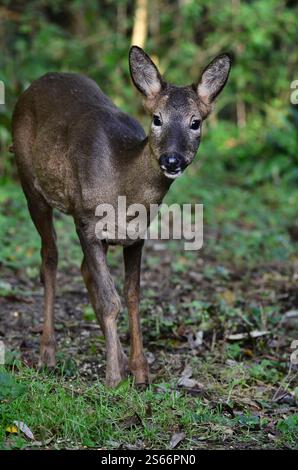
[156,120]
[195,124]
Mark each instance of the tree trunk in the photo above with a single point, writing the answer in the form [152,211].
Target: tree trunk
[140,27]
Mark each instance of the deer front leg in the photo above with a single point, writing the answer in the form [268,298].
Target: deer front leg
[137,362]
[91,288]
[106,302]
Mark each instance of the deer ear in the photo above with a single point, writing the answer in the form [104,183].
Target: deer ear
[214,78]
[144,73]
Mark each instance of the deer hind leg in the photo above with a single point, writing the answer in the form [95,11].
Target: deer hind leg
[137,361]
[105,299]
[123,361]
[42,217]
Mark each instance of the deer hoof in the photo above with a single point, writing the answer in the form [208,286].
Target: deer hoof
[141,379]
[140,371]
[141,386]
[113,380]
[47,355]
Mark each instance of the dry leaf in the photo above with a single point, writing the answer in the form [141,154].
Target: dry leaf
[187,372]
[25,429]
[257,333]
[196,340]
[150,358]
[199,338]
[131,421]
[42,443]
[228,296]
[237,336]
[228,431]
[176,439]
[12,429]
[186,380]
[290,318]
[198,277]
[251,334]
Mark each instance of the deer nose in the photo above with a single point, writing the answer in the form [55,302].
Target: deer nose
[172,162]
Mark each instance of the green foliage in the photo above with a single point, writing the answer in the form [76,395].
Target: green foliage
[264,371]
[9,387]
[20,242]
[66,412]
[233,351]
[289,427]
[255,122]
[90,415]
[88,314]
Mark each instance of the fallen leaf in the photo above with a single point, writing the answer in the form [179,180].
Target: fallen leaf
[42,443]
[25,429]
[251,334]
[186,380]
[12,429]
[137,446]
[187,371]
[228,296]
[188,383]
[198,277]
[290,318]
[199,338]
[291,314]
[248,352]
[176,439]
[257,333]
[131,421]
[231,362]
[150,358]
[228,431]
[196,340]
[237,336]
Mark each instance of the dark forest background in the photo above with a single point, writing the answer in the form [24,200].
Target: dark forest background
[255,121]
[249,151]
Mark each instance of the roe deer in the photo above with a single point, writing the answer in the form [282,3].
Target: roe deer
[75,150]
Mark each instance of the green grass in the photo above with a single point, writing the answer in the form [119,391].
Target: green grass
[72,413]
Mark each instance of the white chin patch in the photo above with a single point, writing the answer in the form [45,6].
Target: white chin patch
[172,176]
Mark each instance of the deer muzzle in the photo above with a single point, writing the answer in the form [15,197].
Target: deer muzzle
[172,164]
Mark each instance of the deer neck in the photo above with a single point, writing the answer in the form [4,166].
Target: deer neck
[144,182]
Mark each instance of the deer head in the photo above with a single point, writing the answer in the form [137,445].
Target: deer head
[177,112]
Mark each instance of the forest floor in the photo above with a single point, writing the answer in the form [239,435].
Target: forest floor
[218,327]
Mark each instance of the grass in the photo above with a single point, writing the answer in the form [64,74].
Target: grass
[74,414]
[245,265]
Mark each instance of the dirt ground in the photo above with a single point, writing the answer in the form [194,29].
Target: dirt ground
[168,296]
